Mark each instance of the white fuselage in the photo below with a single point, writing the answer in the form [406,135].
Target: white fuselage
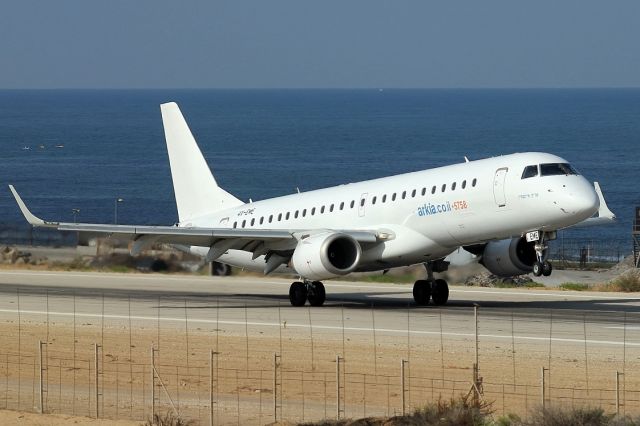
[429,213]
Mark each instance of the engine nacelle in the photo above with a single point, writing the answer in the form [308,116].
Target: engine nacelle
[326,255]
[506,258]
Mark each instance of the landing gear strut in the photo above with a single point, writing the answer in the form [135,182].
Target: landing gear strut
[542,266]
[300,292]
[436,290]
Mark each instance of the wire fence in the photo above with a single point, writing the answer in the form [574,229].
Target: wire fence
[229,363]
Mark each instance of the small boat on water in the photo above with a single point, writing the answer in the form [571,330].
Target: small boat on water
[26,148]
[60,145]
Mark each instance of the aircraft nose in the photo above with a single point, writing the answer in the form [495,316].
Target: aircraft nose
[582,199]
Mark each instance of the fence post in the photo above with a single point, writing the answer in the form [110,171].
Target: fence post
[475,318]
[211,387]
[153,384]
[96,366]
[542,385]
[617,392]
[402,384]
[275,386]
[338,387]
[41,381]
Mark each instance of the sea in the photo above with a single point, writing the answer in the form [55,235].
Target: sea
[72,153]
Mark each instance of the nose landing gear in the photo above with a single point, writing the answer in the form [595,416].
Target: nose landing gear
[542,266]
[313,291]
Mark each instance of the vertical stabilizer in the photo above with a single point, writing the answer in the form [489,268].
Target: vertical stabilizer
[197,192]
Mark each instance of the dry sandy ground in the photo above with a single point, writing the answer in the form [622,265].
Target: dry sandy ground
[8,418]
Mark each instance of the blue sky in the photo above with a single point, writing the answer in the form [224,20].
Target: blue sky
[321,44]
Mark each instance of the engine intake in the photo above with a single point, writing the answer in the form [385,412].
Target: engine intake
[326,255]
[506,258]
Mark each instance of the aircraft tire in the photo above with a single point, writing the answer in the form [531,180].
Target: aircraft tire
[422,292]
[298,294]
[537,269]
[547,268]
[440,292]
[316,294]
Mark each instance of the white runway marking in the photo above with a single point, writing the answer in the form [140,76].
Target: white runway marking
[321,327]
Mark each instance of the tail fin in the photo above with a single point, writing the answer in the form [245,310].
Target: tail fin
[197,192]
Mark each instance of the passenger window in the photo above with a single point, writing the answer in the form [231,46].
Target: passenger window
[473,182]
[362,200]
[235,224]
[331,208]
[313,211]
[373,200]
[261,220]
[384,198]
[342,205]
[404,194]
[529,172]
[270,218]
[279,217]
[322,210]
[287,216]
[413,194]
[295,215]
[244,222]
[393,197]
[464,184]
[253,221]
[444,187]
[453,186]
[424,191]
[304,212]
[433,190]
[353,203]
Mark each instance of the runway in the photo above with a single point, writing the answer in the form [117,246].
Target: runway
[159,293]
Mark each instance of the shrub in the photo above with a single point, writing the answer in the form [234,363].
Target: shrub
[574,286]
[168,419]
[559,417]
[628,282]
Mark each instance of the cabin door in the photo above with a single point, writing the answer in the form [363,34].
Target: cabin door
[498,186]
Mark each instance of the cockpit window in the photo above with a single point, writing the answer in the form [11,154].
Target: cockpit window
[530,171]
[554,169]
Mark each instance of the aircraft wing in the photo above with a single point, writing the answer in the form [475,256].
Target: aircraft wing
[219,240]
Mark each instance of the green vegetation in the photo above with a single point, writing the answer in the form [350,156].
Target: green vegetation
[574,286]
[629,282]
[462,411]
[381,278]
[168,419]
[511,284]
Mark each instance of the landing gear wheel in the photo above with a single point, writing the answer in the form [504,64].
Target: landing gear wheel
[537,269]
[316,293]
[298,294]
[546,268]
[422,292]
[440,292]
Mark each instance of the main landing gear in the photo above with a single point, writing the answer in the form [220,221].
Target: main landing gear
[313,291]
[542,266]
[436,290]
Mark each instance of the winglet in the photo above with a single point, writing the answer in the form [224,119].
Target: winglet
[31,218]
[603,211]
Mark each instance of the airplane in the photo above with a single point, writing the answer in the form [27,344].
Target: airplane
[501,210]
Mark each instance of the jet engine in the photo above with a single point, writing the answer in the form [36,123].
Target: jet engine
[326,255]
[506,258]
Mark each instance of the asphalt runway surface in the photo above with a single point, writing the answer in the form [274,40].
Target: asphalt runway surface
[169,298]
